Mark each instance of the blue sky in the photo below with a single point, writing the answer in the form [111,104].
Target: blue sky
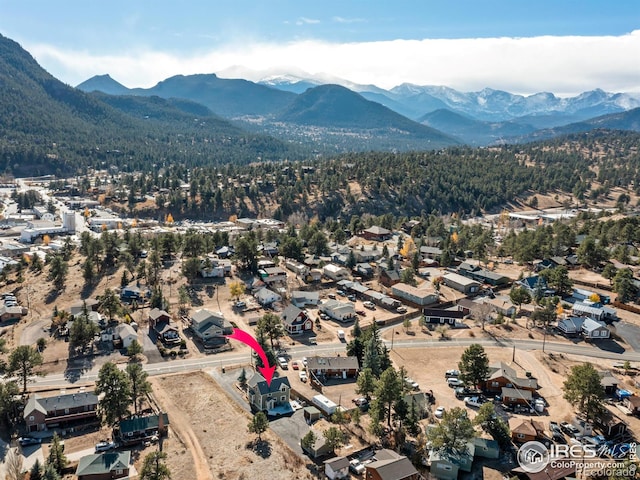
[522,46]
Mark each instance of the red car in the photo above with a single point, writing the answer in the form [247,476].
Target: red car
[295,365]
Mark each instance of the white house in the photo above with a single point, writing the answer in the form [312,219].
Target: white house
[264,296]
[337,468]
[126,333]
[340,311]
[335,273]
[594,330]
[302,299]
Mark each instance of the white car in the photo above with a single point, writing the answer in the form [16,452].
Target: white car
[411,383]
[303,376]
[452,373]
[369,305]
[454,382]
[356,467]
[439,413]
[475,402]
[284,365]
[105,446]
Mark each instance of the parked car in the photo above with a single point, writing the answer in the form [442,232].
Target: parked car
[439,413]
[356,467]
[409,382]
[462,392]
[454,382]
[558,437]
[570,429]
[105,446]
[331,296]
[351,297]
[451,373]
[362,313]
[304,361]
[303,376]
[295,365]
[401,309]
[554,427]
[240,305]
[27,441]
[284,365]
[474,402]
[341,293]
[369,305]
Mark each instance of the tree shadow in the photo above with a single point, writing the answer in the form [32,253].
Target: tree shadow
[52,296]
[261,448]
[76,366]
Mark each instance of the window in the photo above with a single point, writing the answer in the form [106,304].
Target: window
[66,411]
[442,466]
[31,418]
[520,435]
[119,471]
[495,384]
[282,399]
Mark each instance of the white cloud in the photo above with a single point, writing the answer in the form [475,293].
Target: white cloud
[307,21]
[562,65]
[348,20]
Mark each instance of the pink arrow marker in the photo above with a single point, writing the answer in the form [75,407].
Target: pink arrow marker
[244,337]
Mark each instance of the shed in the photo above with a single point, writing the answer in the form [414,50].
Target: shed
[311,414]
[337,468]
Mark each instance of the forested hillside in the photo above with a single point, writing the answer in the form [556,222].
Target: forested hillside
[461,180]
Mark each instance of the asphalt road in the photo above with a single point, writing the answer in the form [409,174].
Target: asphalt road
[232,358]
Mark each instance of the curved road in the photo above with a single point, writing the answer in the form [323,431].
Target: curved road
[231,358]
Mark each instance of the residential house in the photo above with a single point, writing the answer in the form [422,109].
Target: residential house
[298,268]
[609,382]
[335,272]
[527,430]
[272,398]
[469,306]
[536,285]
[580,294]
[269,249]
[363,269]
[273,275]
[571,326]
[501,304]
[296,321]
[125,333]
[302,299]
[442,316]
[389,278]
[632,402]
[485,448]
[482,275]
[42,413]
[432,253]
[513,396]
[502,376]
[319,448]
[225,252]
[461,283]
[337,468]
[333,367]
[314,275]
[210,327]
[104,466]
[389,465]
[8,314]
[376,233]
[166,331]
[594,330]
[134,430]
[133,292]
[340,311]
[418,296]
[594,311]
[77,307]
[446,465]
[266,297]
[611,425]
[209,268]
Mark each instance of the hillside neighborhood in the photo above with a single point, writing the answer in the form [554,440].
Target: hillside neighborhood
[404,348]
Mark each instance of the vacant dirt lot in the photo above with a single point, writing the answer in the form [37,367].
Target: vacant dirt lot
[212,429]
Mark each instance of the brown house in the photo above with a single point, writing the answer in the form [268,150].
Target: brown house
[513,396]
[633,404]
[333,367]
[42,413]
[503,376]
[166,331]
[389,465]
[376,233]
[104,466]
[389,278]
[527,431]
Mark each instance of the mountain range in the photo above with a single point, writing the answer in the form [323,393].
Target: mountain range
[294,107]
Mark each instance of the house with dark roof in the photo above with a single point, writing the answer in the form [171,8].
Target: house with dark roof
[376,233]
[442,316]
[389,465]
[165,330]
[42,413]
[389,277]
[571,326]
[461,283]
[272,398]
[535,284]
[210,327]
[514,396]
[104,466]
[134,430]
[333,367]
[296,321]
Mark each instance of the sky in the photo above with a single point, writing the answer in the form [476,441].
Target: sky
[561,46]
